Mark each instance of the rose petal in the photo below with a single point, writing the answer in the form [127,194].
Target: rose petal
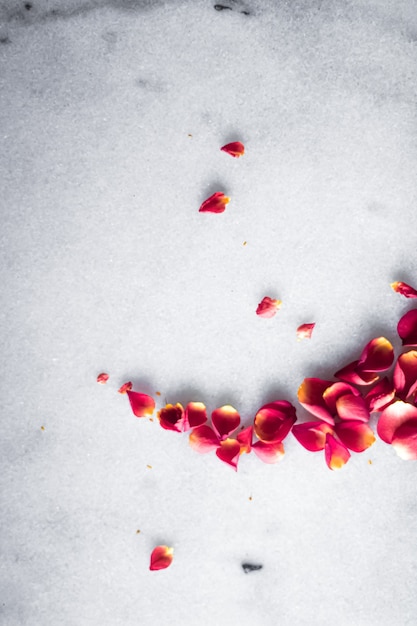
[229,452]
[405,441]
[125,387]
[235,148]
[407,328]
[102,378]
[195,414]
[355,435]
[404,289]
[350,374]
[312,435]
[335,453]
[215,204]
[225,420]
[310,396]
[161,557]
[336,390]
[141,403]
[245,439]
[394,416]
[380,396]
[273,421]
[171,417]
[378,355]
[269,452]
[350,407]
[268,307]
[405,374]
[305,331]
[203,439]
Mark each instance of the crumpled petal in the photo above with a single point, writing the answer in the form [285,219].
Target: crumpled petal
[350,374]
[195,414]
[335,453]
[404,289]
[312,435]
[245,439]
[350,407]
[310,396]
[225,420]
[229,452]
[161,557]
[377,356]
[215,204]
[125,387]
[171,417]
[356,436]
[305,331]
[102,378]
[235,148]
[274,420]
[141,403]
[407,328]
[405,374]
[394,416]
[404,441]
[269,452]
[380,396]
[203,439]
[268,307]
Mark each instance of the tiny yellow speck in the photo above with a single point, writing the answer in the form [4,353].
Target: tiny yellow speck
[244,243]
[138,531]
[149,466]
[250,498]
[42,427]
[189,134]
[151,419]
[157,393]
[369,462]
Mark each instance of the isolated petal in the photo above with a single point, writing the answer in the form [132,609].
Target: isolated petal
[125,387]
[310,396]
[312,435]
[235,148]
[102,378]
[245,439]
[377,356]
[336,390]
[404,289]
[225,420]
[350,407]
[195,414]
[269,452]
[394,416]
[335,453]
[203,439]
[350,374]
[171,417]
[405,374]
[407,328]
[380,396]
[305,331]
[356,436]
[273,421]
[405,441]
[161,557]
[229,452]
[141,403]
[215,204]
[268,307]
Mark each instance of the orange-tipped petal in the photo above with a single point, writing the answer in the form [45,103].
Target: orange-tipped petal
[225,420]
[102,378]
[380,396]
[404,289]
[335,453]
[171,417]
[215,204]
[350,374]
[268,307]
[203,439]
[235,149]
[142,404]
[125,387]
[195,414]
[407,328]
[394,416]
[229,452]
[310,396]
[269,452]
[350,407]
[377,356]
[355,435]
[161,557]
[305,331]
[312,435]
[405,441]
[245,439]
[336,390]
[273,421]
[405,374]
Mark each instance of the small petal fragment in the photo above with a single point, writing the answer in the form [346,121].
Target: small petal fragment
[273,421]
[203,439]
[225,420]
[335,453]
[269,452]
[235,149]
[405,375]
[141,403]
[378,355]
[355,435]
[305,331]
[312,435]
[161,557]
[229,452]
[195,414]
[310,396]
[407,328]
[125,387]
[394,416]
[245,439]
[171,417]
[380,396]
[215,204]
[405,441]
[404,289]
[268,307]
[102,378]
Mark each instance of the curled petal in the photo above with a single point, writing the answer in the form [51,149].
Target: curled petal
[310,396]
[141,403]
[229,452]
[351,374]
[125,387]
[394,416]
[405,441]
[380,396]
[195,414]
[215,204]
[235,149]
[407,328]
[351,407]
[355,435]
[377,356]
[269,452]
[245,439]
[305,331]
[335,453]
[268,307]
[405,374]
[203,439]
[404,289]
[171,417]
[225,420]
[336,390]
[161,557]
[273,421]
[312,435]
[102,378]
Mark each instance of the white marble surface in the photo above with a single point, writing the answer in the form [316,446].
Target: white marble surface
[111,119]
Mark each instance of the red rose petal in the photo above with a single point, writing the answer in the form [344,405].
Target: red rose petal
[229,452]
[405,441]
[273,421]
[141,403]
[161,557]
[305,331]
[407,328]
[405,374]
[195,414]
[171,417]
[310,396]
[355,435]
[235,148]
[312,435]
[394,416]
[380,396]
[378,355]
[269,452]
[335,453]
[404,289]
[350,374]
[336,390]
[225,420]
[203,439]
[215,204]
[268,307]
[102,378]
[125,387]
[350,407]
[245,439]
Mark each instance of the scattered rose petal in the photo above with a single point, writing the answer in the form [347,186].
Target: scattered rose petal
[334,392]
[305,331]
[268,307]
[405,375]
[161,557]
[235,149]
[394,416]
[404,441]
[141,403]
[245,439]
[273,421]
[203,439]
[102,378]
[215,204]
[125,388]
[407,328]
[350,407]
[380,396]
[350,374]
[310,396]
[377,356]
[225,420]
[312,435]
[404,289]
[229,452]
[355,435]
[171,417]
[335,453]
[195,414]
[269,452]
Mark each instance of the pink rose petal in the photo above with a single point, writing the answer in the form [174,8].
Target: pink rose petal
[235,149]
[404,441]
[171,417]
[312,435]
[404,289]
[350,407]
[269,452]
[195,414]
[407,328]
[377,356]
[335,453]
[394,416]
[225,420]
[102,378]
[215,204]
[142,404]
[273,421]
[380,396]
[310,396]
[268,307]
[161,558]
[203,439]
[245,439]
[305,331]
[229,452]
[405,375]
[356,436]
